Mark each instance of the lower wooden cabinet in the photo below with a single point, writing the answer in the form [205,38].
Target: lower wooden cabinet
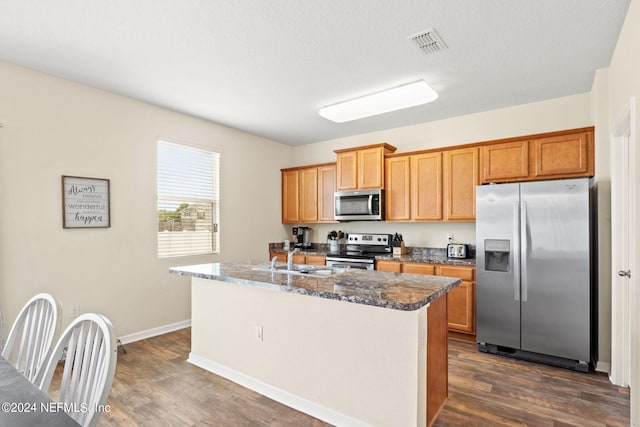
[461,304]
[389,266]
[299,258]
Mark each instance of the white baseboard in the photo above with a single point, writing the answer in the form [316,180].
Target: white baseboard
[296,402]
[603,367]
[154,332]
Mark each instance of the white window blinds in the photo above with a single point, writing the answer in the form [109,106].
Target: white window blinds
[188,200]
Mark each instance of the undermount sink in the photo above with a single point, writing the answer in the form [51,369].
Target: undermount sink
[304,269]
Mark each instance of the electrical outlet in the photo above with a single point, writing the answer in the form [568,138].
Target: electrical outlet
[75,310]
[450,237]
[259,336]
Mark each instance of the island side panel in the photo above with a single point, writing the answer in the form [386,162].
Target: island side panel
[350,361]
[437,358]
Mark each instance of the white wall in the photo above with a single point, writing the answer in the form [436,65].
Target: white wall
[52,127]
[546,116]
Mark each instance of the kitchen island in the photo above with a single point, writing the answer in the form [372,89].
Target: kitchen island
[354,348]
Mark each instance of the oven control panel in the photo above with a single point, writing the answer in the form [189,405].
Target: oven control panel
[369,239]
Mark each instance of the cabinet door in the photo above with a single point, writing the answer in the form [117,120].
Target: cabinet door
[308,195]
[326,188]
[371,168]
[397,173]
[461,308]
[347,170]
[391,266]
[316,260]
[290,194]
[418,268]
[461,299]
[426,186]
[504,162]
[563,156]
[461,178]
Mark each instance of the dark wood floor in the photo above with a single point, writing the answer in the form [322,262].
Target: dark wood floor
[489,390]
[155,386]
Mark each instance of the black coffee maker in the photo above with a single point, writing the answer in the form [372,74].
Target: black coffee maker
[303,237]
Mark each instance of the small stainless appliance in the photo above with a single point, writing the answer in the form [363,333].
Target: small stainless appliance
[359,205]
[457,250]
[303,237]
[361,251]
[534,292]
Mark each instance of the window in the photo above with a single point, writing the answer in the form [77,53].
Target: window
[188,200]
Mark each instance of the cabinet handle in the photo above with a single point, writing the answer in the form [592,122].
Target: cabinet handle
[623,273]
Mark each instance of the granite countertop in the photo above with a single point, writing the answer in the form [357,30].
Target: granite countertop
[398,291]
[429,259]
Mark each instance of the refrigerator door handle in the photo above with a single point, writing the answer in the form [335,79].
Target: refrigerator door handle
[516,251]
[523,249]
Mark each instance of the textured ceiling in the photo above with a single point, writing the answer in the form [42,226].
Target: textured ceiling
[267,66]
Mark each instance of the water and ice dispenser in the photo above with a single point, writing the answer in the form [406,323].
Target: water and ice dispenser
[497,255]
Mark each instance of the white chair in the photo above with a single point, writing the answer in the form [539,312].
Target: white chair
[89,343]
[30,338]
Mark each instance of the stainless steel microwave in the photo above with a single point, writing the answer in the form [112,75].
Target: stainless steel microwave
[359,205]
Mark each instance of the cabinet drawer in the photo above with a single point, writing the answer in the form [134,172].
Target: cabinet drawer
[282,257]
[464,273]
[316,260]
[391,266]
[418,268]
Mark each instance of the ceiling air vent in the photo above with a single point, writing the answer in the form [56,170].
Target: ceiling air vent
[428,41]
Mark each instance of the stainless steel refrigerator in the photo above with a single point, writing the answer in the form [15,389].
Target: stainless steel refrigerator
[534,292]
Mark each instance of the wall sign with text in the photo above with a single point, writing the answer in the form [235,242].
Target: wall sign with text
[85,202]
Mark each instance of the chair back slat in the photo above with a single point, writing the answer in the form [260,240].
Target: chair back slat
[31,335]
[89,367]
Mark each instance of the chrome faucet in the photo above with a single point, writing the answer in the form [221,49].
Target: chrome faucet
[290,258]
[273,262]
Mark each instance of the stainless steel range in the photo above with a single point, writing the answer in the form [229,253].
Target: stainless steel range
[361,251]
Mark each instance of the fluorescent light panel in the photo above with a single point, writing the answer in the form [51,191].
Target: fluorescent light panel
[397,98]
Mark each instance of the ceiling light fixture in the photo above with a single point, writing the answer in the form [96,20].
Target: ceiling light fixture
[397,98]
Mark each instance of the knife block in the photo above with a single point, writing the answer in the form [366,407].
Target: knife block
[400,250]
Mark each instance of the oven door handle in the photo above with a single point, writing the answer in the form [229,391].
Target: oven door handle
[358,265]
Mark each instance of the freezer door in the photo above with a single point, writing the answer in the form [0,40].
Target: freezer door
[497,260]
[555,280]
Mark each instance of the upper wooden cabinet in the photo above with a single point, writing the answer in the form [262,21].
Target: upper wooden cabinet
[414,187]
[398,187]
[565,154]
[504,162]
[347,170]
[460,181]
[290,196]
[362,167]
[326,189]
[426,186]
[307,194]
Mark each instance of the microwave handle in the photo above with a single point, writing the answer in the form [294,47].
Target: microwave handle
[370,204]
